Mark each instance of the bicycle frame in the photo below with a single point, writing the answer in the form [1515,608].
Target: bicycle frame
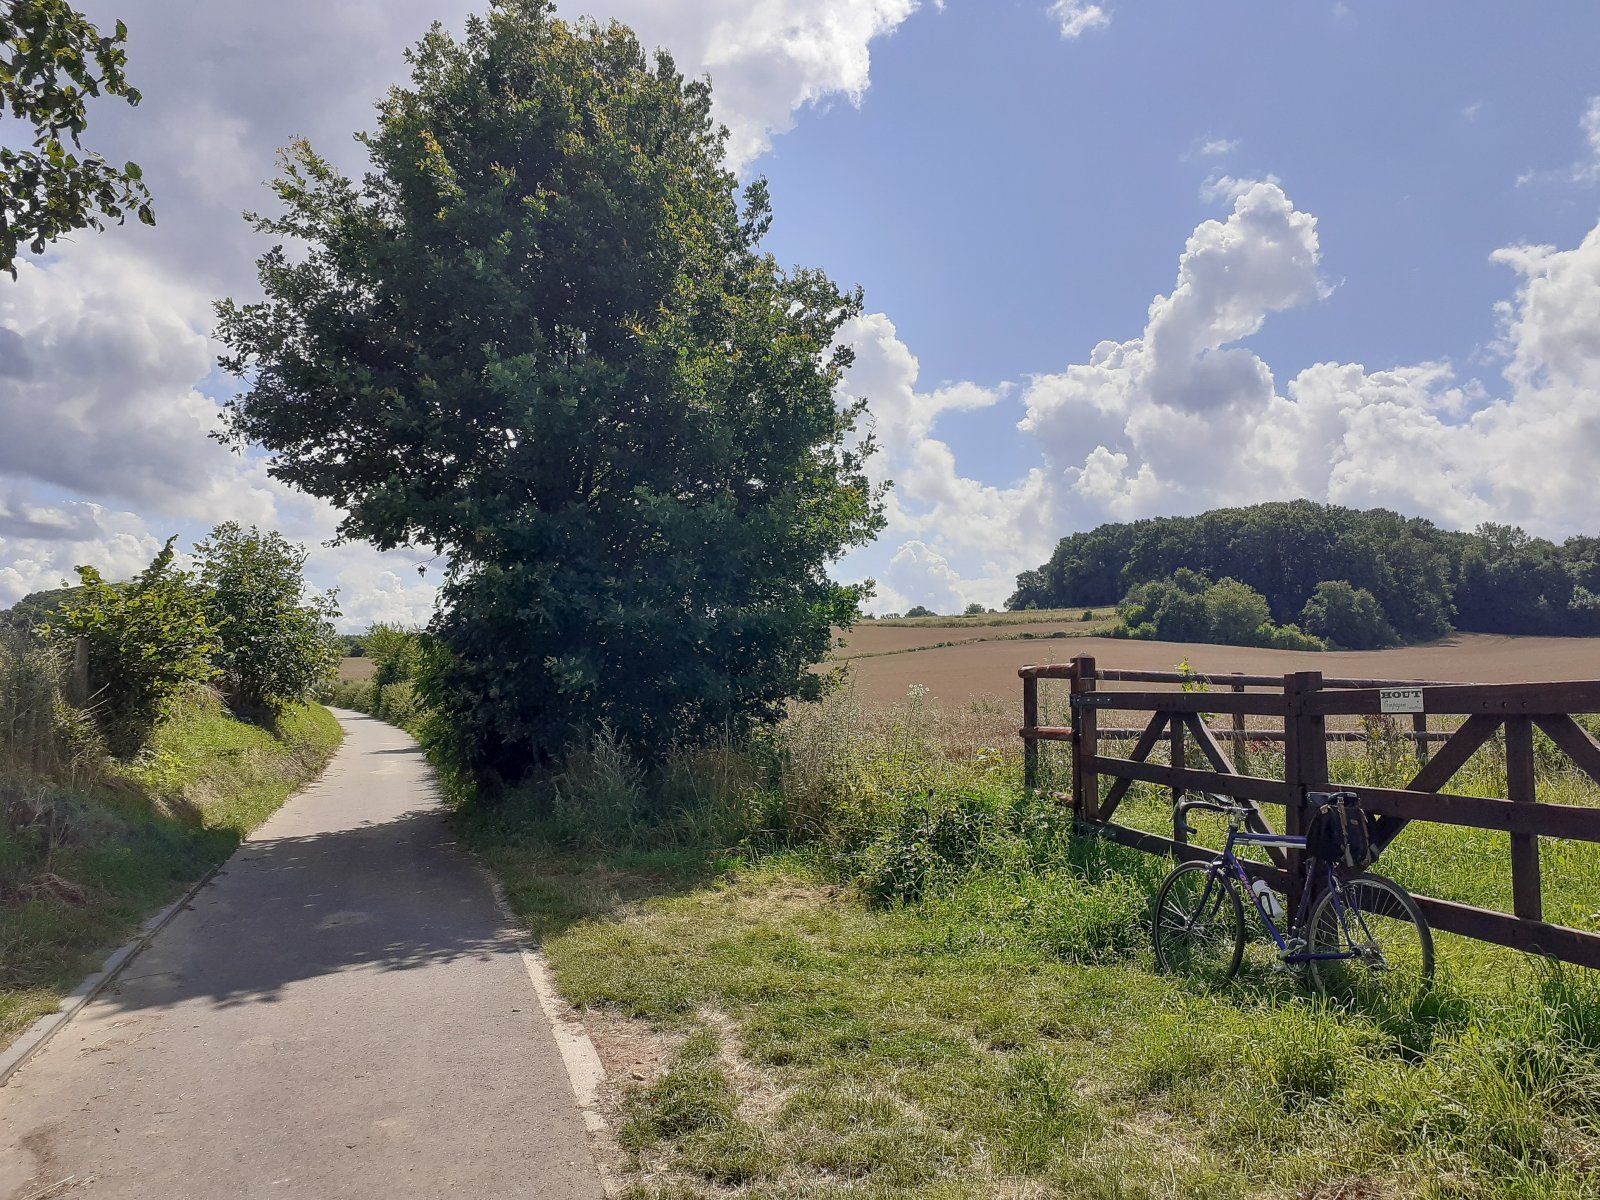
[1230,861]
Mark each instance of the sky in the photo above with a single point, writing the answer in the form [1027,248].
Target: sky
[1121,259]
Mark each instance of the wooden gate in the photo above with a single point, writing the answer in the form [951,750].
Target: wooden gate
[1298,706]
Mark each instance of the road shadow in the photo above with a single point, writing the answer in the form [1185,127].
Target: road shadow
[383,896]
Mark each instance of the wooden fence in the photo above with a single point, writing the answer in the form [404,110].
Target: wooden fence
[1299,705]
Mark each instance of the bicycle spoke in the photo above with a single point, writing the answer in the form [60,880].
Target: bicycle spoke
[1199,924]
[1387,946]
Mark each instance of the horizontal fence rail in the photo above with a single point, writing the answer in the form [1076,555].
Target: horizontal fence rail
[1299,705]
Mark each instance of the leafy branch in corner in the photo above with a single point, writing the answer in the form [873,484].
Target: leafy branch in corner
[52,61]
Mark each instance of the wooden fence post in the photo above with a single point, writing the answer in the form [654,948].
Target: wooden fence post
[1419,727]
[1238,724]
[1085,742]
[1527,894]
[1030,722]
[78,687]
[1176,756]
[1305,765]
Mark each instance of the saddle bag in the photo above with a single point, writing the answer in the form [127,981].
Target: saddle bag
[1339,833]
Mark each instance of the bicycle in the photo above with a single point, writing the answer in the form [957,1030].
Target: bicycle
[1359,935]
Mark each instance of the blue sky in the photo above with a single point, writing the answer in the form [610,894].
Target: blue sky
[1340,250]
[1011,196]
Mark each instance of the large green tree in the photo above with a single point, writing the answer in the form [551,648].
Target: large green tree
[541,336]
[1347,618]
[52,62]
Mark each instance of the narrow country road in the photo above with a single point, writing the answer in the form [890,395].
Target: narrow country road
[342,1013]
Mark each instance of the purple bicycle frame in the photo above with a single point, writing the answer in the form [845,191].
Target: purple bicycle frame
[1286,841]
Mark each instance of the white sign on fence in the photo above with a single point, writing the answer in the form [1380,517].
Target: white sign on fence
[1399,700]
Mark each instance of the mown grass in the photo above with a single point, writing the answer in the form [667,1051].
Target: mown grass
[932,988]
[81,864]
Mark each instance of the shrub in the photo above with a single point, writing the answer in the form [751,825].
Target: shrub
[1287,637]
[1349,618]
[1190,608]
[920,610]
[149,640]
[1171,609]
[275,643]
[1235,612]
[930,837]
[40,733]
[395,651]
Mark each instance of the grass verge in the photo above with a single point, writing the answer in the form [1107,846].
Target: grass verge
[81,865]
[1006,1036]
[870,968]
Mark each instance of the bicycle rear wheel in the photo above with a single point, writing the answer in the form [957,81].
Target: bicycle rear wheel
[1376,919]
[1199,924]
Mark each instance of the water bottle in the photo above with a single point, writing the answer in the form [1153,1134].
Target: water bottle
[1268,898]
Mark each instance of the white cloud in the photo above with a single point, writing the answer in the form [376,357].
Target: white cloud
[374,586]
[915,570]
[886,372]
[41,543]
[107,384]
[1587,168]
[769,59]
[1217,147]
[1077,18]
[1590,124]
[1184,418]
[1226,189]
[101,362]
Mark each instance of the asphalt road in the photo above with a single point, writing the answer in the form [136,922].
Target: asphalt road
[342,1013]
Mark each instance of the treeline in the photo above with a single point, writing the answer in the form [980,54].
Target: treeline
[1424,580]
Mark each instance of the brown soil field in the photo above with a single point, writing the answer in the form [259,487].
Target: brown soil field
[356,670]
[956,674]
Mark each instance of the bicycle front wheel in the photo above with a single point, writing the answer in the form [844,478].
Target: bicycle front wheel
[1374,922]
[1199,924]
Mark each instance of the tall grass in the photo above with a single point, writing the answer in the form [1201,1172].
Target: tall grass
[40,733]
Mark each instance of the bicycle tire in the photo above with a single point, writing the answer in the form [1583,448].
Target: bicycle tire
[1173,930]
[1385,912]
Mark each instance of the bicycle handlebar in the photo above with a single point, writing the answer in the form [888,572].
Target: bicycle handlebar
[1234,811]
[1244,809]
[1212,806]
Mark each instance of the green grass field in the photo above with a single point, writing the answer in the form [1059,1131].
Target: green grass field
[80,867]
[952,996]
